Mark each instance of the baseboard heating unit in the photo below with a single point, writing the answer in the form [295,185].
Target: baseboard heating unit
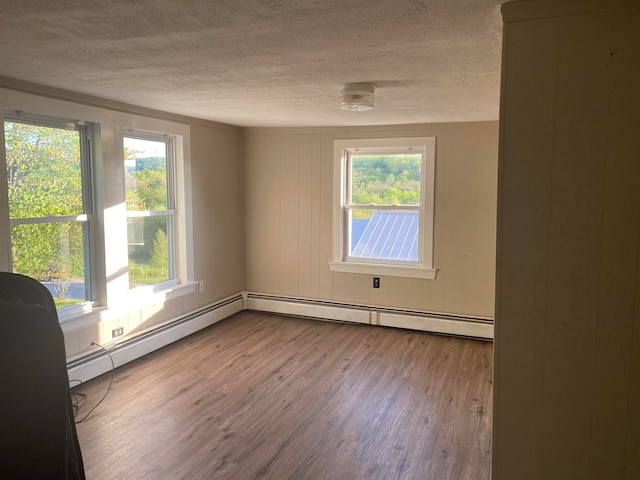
[96,363]
[475,327]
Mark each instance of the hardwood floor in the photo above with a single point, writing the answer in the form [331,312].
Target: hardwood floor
[262,396]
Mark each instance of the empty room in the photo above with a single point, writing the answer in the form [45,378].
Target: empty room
[320,240]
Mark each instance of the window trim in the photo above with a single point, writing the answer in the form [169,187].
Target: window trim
[341,262]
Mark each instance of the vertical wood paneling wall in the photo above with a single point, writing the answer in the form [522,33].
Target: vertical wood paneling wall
[567,340]
[289,208]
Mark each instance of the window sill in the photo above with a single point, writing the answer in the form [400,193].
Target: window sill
[78,318]
[143,297]
[151,294]
[384,270]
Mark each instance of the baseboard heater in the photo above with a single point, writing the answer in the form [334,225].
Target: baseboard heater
[96,363]
[442,323]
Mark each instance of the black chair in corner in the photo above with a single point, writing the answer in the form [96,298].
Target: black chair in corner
[38,438]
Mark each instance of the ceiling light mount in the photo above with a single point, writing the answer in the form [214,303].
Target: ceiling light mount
[357,97]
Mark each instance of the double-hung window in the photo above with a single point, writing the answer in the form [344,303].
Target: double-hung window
[150,207]
[51,216]
[383,213]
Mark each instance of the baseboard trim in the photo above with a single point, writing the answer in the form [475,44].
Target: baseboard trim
[442,323]
[96,362]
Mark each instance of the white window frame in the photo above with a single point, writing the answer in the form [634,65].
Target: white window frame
[170,212]
[342,262]
[88,217]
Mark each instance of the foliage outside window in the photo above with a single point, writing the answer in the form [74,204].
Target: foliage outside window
[383,215]
[50,208]
[148,161]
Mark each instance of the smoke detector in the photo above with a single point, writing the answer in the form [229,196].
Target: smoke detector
[357,97]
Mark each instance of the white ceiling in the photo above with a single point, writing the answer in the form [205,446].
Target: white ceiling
[264,62]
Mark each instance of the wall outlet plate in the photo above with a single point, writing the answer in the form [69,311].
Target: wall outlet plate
[376,282]
[117,332]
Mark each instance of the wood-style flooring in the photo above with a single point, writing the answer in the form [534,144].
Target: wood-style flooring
[263,396]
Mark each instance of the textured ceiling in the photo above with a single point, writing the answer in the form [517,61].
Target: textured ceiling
[264,62]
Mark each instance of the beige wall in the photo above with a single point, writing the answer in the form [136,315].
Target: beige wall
[289,215]
[567,339]
[218,210]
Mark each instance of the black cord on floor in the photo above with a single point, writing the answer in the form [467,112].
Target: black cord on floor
[76,396]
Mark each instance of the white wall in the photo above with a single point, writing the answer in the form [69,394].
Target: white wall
[289,215]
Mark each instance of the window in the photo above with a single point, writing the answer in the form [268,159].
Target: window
[383,214]
[101,218]
[50,204]
[150,201]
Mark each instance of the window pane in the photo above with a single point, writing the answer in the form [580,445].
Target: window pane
[385,234]
[44,171]
[145,174]
[150,235]
[386,179]
[45,180]
[149,247]
[52,253]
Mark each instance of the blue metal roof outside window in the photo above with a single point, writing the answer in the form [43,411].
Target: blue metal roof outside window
[390,234]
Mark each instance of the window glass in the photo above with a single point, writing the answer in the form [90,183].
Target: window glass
[49,206]
[383,213]
[150,210]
